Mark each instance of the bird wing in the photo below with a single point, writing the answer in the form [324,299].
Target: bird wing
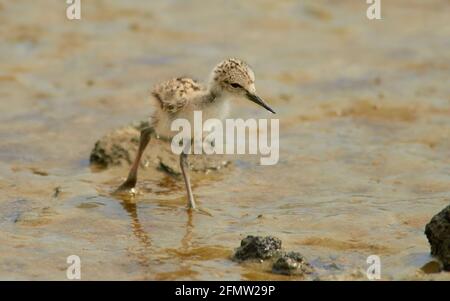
[173,95]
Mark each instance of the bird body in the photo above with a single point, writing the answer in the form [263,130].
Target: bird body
[180,97]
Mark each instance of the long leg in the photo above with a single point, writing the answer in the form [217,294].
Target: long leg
[184,169]
[132,175]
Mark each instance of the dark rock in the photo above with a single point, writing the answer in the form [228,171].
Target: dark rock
[258,247]
[116,148]
[269,248]
[292,263]
[57,191]
[432,267]
[120,147]
[438,234]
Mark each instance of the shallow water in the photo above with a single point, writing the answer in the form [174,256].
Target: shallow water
[364,111]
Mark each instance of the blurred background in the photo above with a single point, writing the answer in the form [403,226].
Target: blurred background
[364,109]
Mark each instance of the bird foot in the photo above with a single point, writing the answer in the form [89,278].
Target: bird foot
[128,187]
[128,184]
[198,210]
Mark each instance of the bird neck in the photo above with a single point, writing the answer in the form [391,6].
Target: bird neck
[212,95]
[215,97]
[215,93]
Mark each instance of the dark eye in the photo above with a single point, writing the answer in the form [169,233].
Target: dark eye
[236,85]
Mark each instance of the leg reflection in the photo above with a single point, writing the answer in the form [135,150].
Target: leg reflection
[139,232]
[187,238]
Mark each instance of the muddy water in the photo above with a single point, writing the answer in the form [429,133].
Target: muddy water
[364,109]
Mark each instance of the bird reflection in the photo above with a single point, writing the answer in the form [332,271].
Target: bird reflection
[187,238]
[184,253]
[139,232]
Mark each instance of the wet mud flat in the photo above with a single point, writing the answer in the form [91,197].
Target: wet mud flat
[364,115]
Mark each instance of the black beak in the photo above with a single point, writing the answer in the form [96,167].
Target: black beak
[256,99]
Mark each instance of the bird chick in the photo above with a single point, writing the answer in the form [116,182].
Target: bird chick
[180,97]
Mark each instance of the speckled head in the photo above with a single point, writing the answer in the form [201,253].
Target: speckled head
[232,72]
[235,78]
